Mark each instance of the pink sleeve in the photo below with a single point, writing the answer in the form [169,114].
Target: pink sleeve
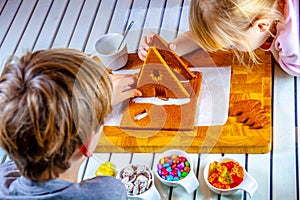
[287,42]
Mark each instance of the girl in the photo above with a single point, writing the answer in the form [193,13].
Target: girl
[242,25]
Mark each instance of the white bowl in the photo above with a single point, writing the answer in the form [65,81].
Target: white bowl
[248,184]
[190,183]
[151,192]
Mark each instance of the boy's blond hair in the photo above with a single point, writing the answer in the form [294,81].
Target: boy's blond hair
[50,102]
[221,24]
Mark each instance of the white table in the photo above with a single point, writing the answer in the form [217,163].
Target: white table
[43,24]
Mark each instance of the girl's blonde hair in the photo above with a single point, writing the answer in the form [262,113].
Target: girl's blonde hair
[221,24]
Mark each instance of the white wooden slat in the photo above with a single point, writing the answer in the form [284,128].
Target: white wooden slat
[259,167]
[163,189]
[137,14]
[84,25]
[16,29]
[68,24]
[120,160]
[51,25]
[94,163]
[179,193]
[204,192]
[7,158]
[2,4]
[101,24]
[154,17]
[7,16]
[2,155]
[143,158]
[184,19]
[238,195]
[82,170]
[120,16]
[170,21]
[33,28]
[284,173]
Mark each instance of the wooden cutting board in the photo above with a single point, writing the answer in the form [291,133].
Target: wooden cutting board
[248,81]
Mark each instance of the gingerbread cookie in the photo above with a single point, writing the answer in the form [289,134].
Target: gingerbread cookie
[250,113]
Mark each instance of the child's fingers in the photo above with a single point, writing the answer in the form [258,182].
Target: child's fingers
[144,46]
[142,57]
[149,37]
[130,93]
[121,81]
[145,42]
[127,80]
[172,46]
[142,54]
[125,95]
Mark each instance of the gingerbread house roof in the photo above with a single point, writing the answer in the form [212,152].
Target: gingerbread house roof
[162,73]
[172,59]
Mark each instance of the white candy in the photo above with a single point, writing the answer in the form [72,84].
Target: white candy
[140,116]
[137,179]
[135,190]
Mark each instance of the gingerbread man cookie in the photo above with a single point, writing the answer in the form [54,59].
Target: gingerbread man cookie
[250,113]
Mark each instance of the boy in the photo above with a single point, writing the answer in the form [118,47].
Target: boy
[52,106]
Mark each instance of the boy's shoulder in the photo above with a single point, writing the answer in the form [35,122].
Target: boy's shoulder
[107,187]
[103,187]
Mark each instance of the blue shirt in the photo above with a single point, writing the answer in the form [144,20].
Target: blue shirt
[15,186]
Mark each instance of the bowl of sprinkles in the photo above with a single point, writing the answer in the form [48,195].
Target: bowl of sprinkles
[175,168]
[225,176]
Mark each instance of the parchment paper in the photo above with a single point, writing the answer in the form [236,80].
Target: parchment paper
[213,101]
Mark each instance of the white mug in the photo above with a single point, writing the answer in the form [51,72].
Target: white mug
[106,49]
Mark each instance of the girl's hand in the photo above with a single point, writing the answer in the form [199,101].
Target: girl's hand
[145,44]
[181,45]
[124,87]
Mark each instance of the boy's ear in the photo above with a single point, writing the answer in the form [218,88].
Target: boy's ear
[85,151]
[263,24]
[90,144]
[86,146]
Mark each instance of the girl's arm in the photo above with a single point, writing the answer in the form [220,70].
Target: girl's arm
[184,43]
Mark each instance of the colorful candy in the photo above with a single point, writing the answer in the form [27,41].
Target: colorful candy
[173,168]
[225,175]
[106,169]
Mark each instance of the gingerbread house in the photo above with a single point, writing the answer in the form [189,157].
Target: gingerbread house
[166,76]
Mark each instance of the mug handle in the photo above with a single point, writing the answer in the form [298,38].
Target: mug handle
[249,184]
[190,183]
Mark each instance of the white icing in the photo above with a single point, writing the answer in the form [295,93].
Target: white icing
[158,101]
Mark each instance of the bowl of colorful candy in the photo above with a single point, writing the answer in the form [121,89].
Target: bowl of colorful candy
[139,181]
[175,168]
[225,176]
